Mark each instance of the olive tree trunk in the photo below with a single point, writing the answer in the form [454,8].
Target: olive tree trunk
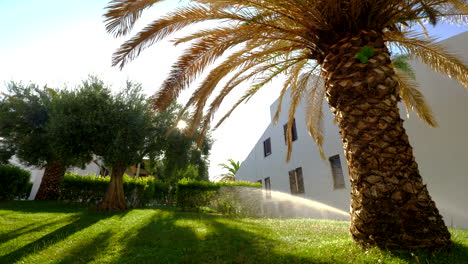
[114,199]
[50,184]
[390,205]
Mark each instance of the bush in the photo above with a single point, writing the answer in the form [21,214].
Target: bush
[14,183]
[91,190]
[240,198]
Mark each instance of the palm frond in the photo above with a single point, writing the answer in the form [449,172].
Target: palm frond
[436,56]
[400,62]
[314,113]
[414,99]
[298,87]
[121,15]
[161,28]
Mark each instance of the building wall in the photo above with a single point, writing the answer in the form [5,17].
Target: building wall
[440,152]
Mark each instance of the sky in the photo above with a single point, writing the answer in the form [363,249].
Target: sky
[60,43]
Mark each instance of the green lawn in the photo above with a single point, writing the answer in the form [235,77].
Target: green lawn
[52,232]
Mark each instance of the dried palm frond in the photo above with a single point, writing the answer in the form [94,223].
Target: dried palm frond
[298,88]
[414,99]
[436,56]
[314,113]
[121,15]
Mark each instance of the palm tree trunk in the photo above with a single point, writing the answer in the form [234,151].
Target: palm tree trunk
[50,184]
[114,198]
[390,205]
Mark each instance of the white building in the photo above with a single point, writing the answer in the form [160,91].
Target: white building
[440,152]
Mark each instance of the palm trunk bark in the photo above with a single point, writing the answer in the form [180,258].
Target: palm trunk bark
[390,205]
[50,184]
[114,199]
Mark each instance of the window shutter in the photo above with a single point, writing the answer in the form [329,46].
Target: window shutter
[300,180]
[294,131]
[337,172]
[285,128]
[292,181]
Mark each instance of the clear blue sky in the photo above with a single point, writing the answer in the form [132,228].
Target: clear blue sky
[62,41]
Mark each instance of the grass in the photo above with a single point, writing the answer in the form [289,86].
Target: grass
[53,232]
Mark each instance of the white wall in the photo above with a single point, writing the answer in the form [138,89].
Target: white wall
[441,152]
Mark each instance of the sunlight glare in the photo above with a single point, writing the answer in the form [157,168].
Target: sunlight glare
[181,124]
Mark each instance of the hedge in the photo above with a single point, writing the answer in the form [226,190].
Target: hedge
[14,183]
[239,198]
[91,189]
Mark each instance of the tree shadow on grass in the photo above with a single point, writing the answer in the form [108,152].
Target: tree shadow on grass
[170,237]
[30,228]
[86,252]
[455,253]
[199,238]
[80,219]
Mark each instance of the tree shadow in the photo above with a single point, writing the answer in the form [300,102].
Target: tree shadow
[86,252]
[80,219]
[30,228]
[171,239]
[455,253]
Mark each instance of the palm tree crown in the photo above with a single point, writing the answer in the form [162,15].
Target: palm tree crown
[292,37]
[232,167]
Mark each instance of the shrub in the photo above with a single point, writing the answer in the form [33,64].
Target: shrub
[241,198]
[91,189]
[14,183]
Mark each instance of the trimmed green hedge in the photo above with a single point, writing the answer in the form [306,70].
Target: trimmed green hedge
[91,189]
[14,183]
[239,198]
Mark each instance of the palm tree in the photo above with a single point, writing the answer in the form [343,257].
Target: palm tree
[347,43]
[232,166]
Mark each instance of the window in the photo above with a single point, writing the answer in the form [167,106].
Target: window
[293,131]
[267,147]
[296,181]
[337,172]
[267,187]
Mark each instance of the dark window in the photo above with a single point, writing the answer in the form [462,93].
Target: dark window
[293,131]
[296,181]
[267,147]
[337,172]
[267,187]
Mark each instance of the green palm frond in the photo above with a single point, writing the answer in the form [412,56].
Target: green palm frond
[401,62]
[232,167]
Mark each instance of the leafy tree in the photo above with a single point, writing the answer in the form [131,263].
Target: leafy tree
[123,137]
[54,129]
[178,155]
[232,167]
[26,120]
[346,43]
[7,150]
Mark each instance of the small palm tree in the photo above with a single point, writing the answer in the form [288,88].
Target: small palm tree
[232,166]
[346,42]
